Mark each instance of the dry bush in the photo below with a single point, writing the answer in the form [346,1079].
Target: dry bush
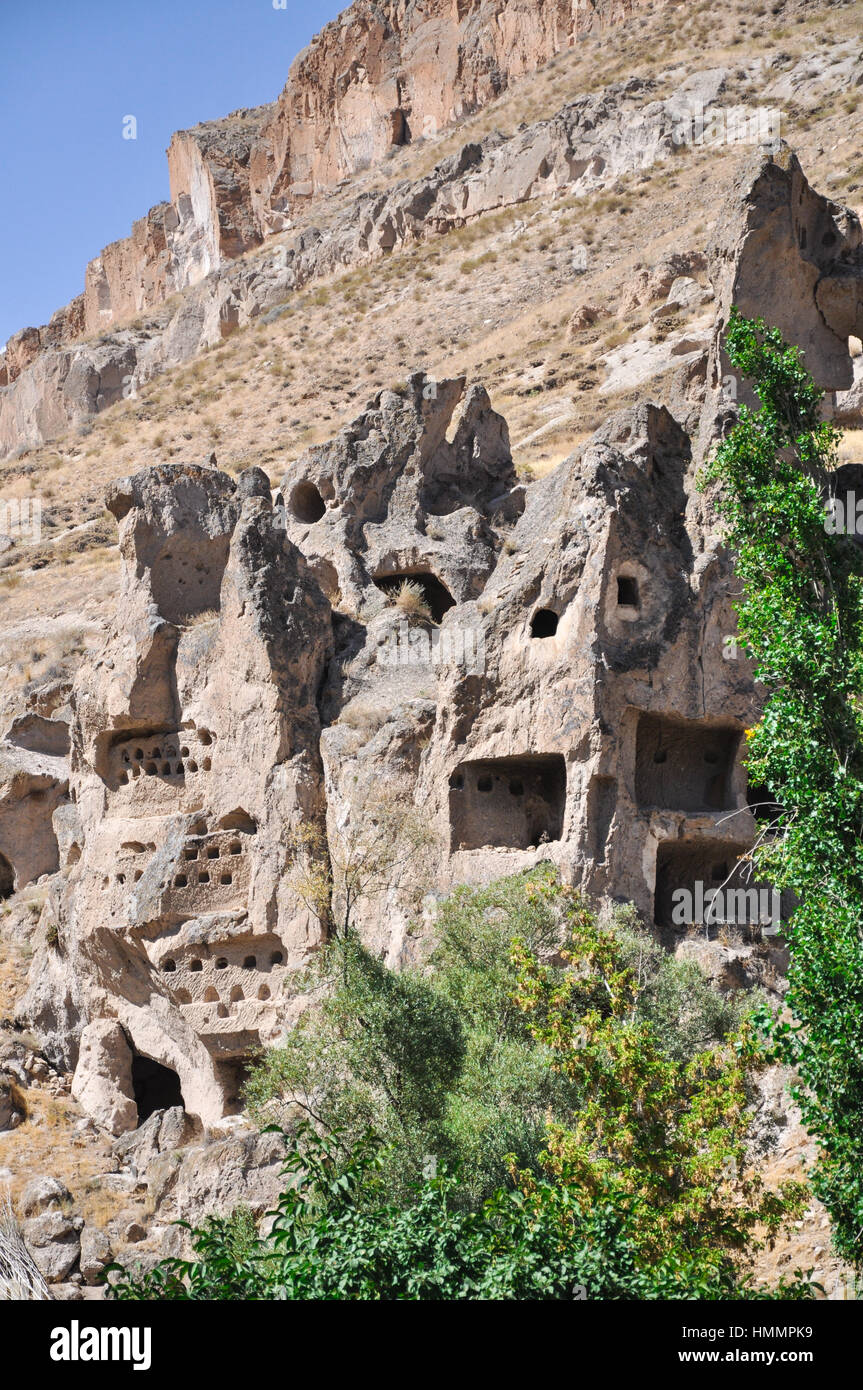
[20,1277]
[410,600]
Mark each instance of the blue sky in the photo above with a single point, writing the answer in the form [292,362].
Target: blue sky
[70,70]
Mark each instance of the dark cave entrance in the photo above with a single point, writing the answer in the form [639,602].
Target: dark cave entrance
[307,504]
[627,592]
[7,878]
[436,594]
[156,1087]
[543,623]
[232,1075]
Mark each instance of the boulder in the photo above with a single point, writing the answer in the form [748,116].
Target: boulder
[53,1239]
[96,1252]
[11,1106]
[44,1194]
[848,405]
[102,1084]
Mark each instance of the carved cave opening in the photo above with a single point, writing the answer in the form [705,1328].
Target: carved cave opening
[512,803]
[627,591]
[156,1087]
[307,504]
[682,864]
[186,578]
[437,596]
[684,765]
[232,1075]
[543,623]
[761,802]
[7,878]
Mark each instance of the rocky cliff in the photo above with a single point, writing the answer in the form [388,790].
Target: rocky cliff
[553,683]
[397,636]
[379,77]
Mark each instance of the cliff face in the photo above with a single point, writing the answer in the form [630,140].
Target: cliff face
[207,222]
[379,76]
[383,75]
[587,145]
[563,693]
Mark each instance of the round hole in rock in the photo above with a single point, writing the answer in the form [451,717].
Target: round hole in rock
[166,768]
[221,1011]
[205,736]
[195,966]
[169,966]
[221,963]
[226,878]
[237,995]
[181,881]
[276,958]
[151,769]
[250,963]
[457,781]
[206,764]
[660,756]
[139,874]
[543,623]
[183,996]
[139,753]
[156,753]
[193,766]
[184,752]
[484,783]
[210,995]
[263,992]
[307,504]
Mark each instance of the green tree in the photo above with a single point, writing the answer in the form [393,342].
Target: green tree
[437,1059]
[801,618]
[376,1049]
[665,1135]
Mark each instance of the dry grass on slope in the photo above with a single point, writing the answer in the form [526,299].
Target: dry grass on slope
[491,300]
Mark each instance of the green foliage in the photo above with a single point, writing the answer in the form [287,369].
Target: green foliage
[686,1011]
[336,1236]
[575,1086]
[801,617]
[378,1048]
[438,1061]
[667,1135]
